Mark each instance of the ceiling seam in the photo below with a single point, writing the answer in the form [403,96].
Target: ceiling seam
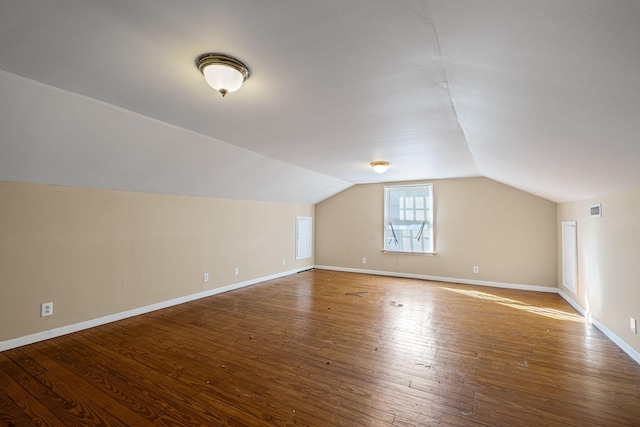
[428,16]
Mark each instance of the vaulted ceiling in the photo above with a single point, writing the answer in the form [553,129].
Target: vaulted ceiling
[542,95]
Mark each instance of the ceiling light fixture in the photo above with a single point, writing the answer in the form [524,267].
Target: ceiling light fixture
[222,72]
[380,167]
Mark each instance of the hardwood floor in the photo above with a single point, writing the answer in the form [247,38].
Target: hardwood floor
[323,348]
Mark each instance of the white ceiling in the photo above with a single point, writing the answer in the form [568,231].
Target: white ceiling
[542,95]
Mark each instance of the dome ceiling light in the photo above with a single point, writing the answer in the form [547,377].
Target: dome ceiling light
[380,167]
[222,72]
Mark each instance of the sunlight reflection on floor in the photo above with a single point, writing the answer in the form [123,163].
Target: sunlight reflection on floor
[542,311]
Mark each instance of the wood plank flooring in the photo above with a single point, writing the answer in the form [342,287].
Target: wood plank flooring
[324,348]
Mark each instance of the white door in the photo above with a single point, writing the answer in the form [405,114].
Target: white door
[570,256]
[303,237]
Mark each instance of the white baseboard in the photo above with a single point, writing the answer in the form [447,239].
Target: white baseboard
[633,353]
[67,329]
[573,304]
[442,279]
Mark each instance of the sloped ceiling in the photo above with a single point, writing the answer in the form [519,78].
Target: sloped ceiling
[540,95]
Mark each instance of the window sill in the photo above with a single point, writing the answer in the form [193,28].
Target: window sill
[408,253]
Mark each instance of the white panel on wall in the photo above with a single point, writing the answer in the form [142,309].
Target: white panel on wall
[569,255]
[303,237]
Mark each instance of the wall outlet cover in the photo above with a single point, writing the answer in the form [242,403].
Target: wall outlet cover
[46,309]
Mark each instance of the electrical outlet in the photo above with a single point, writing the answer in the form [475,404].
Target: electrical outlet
[476,269]
[237,270]
[633,324]
[46,309]
[284,261]
[205,277]
[364,260]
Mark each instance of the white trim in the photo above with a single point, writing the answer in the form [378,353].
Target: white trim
[390,189]
[570,255]
[442,279]
[309,246]
[572,303]
[68,329]
[633,353]
[63,330]
[407,253]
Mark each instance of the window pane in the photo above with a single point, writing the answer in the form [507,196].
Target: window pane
[407,217]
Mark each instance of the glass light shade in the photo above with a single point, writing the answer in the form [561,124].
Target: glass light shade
[223,78]
[222,72]
[380,167]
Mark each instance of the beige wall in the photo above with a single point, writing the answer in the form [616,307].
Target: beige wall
[99,252]
[510,234]
[608,260]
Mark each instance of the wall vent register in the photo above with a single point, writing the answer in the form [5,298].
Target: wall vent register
[595,210]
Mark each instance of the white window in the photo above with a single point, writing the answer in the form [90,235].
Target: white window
[408,218]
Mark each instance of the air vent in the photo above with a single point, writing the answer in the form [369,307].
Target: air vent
[595,210]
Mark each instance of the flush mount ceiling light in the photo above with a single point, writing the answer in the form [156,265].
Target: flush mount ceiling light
[222,72]
[380,167]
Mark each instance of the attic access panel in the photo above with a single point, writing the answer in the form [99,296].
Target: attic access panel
[570,256]
[303,237]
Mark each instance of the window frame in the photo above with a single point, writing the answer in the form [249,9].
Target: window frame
[419,228]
